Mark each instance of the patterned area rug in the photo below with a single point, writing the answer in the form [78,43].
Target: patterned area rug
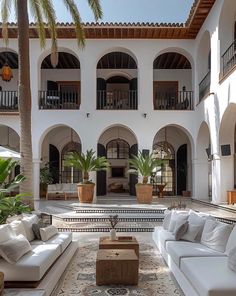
[154,276]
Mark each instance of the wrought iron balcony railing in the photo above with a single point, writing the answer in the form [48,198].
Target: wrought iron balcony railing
[180,100]
[229,59]
[204,86]
[117,100]
[8,101]
[51,99]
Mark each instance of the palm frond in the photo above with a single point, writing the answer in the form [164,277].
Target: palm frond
[73,9]
[5,11]
[36,12]
[96,8]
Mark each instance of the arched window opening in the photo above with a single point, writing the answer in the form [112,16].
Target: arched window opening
[118,149]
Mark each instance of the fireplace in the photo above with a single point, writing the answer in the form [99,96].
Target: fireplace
[117,172]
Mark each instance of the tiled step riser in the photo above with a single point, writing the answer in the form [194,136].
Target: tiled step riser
[79,211]
[82,220]
[106,229]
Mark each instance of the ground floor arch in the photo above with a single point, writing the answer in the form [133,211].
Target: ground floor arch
[172,145]
[117,143]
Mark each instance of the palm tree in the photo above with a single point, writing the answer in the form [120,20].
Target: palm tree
[42,11]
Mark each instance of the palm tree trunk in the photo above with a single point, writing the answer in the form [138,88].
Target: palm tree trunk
[24,97]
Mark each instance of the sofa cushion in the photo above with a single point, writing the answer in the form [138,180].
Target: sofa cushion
[63,239]
[180,229]
[180,216]
[179,249]
[28,221]
[47,232]
[231,243]
[215,280]
[232,259]
[13,249]
[198,219]
[215,235]
[33,265]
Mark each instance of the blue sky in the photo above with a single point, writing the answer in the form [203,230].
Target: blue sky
[132,10]
[156,11]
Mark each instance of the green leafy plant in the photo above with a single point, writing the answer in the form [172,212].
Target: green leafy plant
[144,165]
[46,176]
[10,206]
[86,163]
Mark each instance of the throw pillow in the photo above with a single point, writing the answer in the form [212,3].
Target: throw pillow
[215,235]
[198,219]
[231,243]
[28,221]
[166,221]
[36,228]
[13,249]
[191,233]
[48,232]
[177,215]
[18,227]
[232,259]
[180,230]
[6,233]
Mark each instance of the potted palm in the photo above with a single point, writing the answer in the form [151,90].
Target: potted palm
[144,165]
[86,163]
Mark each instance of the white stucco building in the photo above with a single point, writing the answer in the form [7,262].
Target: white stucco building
[168,87]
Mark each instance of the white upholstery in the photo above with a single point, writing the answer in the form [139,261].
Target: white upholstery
[28,221]
[62,239]
[18,227]
[6,233]
[47,232]
[164,236]
[33,265]
[210,276]
[181,249]
[231,241]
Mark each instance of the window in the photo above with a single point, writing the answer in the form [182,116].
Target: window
[118,149]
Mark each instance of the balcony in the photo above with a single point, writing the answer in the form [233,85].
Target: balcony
[117,100]
[204,86]
[52,99]
[8,101]
[229,59]
[180,100]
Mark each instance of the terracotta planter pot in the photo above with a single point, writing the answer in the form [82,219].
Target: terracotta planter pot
[144,193]
[186,193]
[1,283]
[85,192]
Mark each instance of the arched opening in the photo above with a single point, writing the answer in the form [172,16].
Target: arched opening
[117,82]
[9,84]
[172,145]
[203,164]
[227,151]
[117,144]
[56,145]
[204,65]
[172,82]
[227,36]
[60,85]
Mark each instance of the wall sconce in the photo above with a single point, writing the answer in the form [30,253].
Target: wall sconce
[87,114]
[144,115]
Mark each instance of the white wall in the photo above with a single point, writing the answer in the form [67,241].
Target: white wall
[58,75]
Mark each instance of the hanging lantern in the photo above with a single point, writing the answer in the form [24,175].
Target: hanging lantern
[6,73]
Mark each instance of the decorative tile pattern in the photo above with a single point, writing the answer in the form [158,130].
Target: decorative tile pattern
[154,276]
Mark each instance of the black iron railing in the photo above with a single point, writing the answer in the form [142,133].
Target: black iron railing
[180,100]
[229,58]
[51,99]
[8,100]
[204,86]
[117,100]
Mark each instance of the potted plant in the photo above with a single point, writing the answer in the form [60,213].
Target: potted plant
[86,163]
[144,165]
[46,178]
[10,205]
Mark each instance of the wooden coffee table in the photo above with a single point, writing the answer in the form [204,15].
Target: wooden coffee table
[122,242]
[117,267]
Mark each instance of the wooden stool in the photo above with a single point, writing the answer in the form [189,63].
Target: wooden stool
[1,283]
[117,267]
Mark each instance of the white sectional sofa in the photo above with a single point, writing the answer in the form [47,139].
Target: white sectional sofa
[42,266]
[199,269]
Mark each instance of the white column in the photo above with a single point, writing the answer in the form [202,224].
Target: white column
[36,182]
[216,179]
[201,182]
[215,61]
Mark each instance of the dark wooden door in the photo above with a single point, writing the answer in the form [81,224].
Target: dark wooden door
[133,179]
[133,98]
[54,163]
[101,93]
[52,85]
[181,169]
[101,175]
